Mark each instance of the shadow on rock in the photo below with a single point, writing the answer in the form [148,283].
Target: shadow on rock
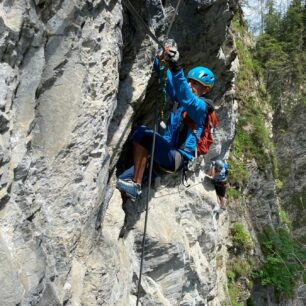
[133,211]
[207,183]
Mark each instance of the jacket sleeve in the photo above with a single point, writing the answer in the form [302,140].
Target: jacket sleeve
[169,84]
[194,105]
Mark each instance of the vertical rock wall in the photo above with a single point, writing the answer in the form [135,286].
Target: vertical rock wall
[73,79]
[59,84]
[290,139]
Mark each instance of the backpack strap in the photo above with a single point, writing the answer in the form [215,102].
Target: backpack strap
[189,122]
[210,110]
[209,125]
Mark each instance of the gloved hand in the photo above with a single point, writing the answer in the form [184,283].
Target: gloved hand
[171,53]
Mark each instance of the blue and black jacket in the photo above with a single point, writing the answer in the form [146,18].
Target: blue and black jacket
[221,176]
[179,136]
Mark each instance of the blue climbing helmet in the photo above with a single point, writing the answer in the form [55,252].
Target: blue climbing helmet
[219,164]
[202,75]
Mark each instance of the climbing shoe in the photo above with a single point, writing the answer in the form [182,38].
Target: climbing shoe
[218,210]
[130,188]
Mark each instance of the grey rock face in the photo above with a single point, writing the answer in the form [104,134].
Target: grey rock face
[261,198]
[74,75]
[181,244]
[291,150]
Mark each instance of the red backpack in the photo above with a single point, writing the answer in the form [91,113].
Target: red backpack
[206,139]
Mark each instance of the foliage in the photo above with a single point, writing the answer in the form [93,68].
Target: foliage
[240,175]
[239,267]
[284,261]
[238,273]
[273,59]
[253,137]
[250,302]
[271,53]
[283,216]
[296,205]
[280,49]
[271,20]
[252,140]
[249,66]
[231,276]
[236,294]
[233,193]
[278,58]
[279,185]
[241,239]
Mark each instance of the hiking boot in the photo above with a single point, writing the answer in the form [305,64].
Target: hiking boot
[130,188]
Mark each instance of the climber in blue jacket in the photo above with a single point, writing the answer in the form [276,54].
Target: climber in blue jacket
[178,144]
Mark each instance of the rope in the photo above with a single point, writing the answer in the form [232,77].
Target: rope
[165,69]
[163,84]
[134,12]
[173,17]
[147,204]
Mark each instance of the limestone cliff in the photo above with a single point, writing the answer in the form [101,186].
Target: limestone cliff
[76,76]
[290,140]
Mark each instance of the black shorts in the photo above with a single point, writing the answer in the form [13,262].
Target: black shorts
[220,189]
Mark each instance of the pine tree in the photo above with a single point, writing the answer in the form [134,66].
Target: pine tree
[293,27]
[272,20]
[281,47]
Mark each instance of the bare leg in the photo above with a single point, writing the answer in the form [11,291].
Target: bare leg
[140,160]
[218,200]
[222,202]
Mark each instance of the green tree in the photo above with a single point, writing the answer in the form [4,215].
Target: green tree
[272,21]
[284,261]
[272,57]
[280,49]
[294,33]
